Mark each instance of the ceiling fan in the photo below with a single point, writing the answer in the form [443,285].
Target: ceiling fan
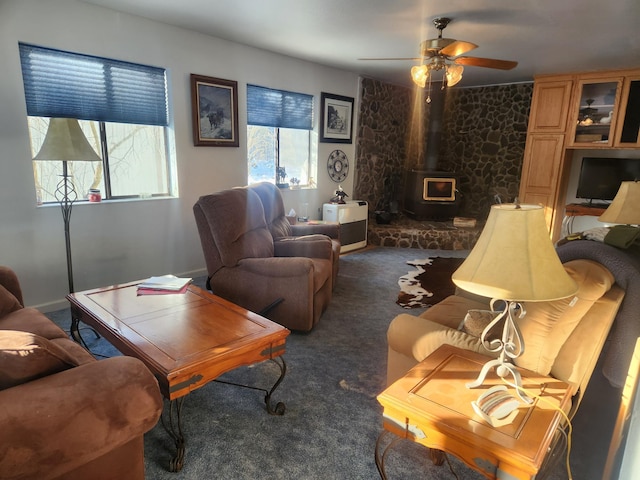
[444,54]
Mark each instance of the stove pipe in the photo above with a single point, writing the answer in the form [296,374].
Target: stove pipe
[429,193]
[434,132]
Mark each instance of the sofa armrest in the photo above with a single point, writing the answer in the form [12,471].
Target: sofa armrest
[67,419]
[419,337]
[332,230]
[309,246]
[412,339]
[9,280]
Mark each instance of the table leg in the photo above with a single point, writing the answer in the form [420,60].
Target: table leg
[74,330]
[280,407]
[437,456]
[174,429]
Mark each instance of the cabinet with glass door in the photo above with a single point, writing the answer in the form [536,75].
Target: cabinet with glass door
[628,127]
[594,115]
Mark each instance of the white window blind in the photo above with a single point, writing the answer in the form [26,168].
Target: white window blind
[268,107]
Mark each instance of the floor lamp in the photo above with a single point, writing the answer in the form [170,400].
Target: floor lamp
[65,142]
[513,261]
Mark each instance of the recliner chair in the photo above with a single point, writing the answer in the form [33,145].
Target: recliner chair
[246,267]
[281,229]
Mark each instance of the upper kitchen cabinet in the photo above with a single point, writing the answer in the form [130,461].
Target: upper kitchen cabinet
[550,105]
[628,128]
[605,111]
[594,114]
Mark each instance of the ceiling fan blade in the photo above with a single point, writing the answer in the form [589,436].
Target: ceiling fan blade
[394,58]
[458,48]
[486,62]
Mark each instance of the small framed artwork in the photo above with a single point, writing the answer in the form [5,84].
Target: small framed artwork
[214,104]
[336,118]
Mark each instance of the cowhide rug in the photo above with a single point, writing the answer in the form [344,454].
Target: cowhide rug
[429,283]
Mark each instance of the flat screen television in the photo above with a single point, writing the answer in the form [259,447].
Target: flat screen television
[600,178]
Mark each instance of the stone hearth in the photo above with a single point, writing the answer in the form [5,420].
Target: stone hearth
[405,232]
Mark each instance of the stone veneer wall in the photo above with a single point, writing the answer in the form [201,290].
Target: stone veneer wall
[483,139]
[381,149]
[484,134]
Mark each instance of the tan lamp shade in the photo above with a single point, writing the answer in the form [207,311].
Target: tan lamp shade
[66,142]
[625,208]
[514,258]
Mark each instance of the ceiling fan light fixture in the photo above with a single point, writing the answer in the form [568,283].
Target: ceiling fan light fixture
[419,75]
[454,74]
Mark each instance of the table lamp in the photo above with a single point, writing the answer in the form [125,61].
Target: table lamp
[65,142]
[625,211]
[513,261]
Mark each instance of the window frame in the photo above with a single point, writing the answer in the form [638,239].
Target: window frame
[106,91]
[274,108]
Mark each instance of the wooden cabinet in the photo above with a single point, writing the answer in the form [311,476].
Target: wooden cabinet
[550,106]
[628,129]
[541,180]
[594,111]
[605,111]
[545,145]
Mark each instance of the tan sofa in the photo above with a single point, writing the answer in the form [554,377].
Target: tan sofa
[63,414]
[563,338]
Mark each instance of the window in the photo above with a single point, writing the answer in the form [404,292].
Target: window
[281,145]
[122,110]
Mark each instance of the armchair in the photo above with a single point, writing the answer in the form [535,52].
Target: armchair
[248,268]
[281,229]
[63,414]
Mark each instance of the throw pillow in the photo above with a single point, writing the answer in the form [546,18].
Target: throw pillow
[25,356]
[475,321]
[8,302]
[547,325]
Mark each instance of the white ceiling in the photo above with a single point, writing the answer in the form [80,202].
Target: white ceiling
[543,36]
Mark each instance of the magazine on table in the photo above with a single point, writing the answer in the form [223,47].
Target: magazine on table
[164,284]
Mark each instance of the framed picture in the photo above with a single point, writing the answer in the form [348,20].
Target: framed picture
[336,118]
[214,104]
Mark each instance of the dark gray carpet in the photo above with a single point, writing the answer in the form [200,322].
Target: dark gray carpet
[332,417]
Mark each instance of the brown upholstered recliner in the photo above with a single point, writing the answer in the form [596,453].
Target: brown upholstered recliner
[248,268]
[63,414]
[281,229]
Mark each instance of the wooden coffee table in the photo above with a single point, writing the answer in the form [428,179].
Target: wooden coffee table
[186,340]
[430,405]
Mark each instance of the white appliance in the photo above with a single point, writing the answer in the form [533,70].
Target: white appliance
[352,217]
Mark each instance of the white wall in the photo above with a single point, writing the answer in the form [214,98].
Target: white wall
[117,242]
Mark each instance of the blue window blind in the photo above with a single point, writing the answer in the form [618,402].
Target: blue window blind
[267,107]
[72,85]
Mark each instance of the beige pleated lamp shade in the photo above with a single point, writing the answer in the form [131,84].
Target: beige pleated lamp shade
[66,142]
[514,258]
[625,207]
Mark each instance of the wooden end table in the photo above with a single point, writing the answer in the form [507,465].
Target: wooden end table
[186,340]
[430,405]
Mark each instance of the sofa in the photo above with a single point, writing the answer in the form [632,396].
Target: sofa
[287,281]
[563,338]
[63,414]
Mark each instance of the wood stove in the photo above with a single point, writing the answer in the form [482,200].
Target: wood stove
[431,195]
